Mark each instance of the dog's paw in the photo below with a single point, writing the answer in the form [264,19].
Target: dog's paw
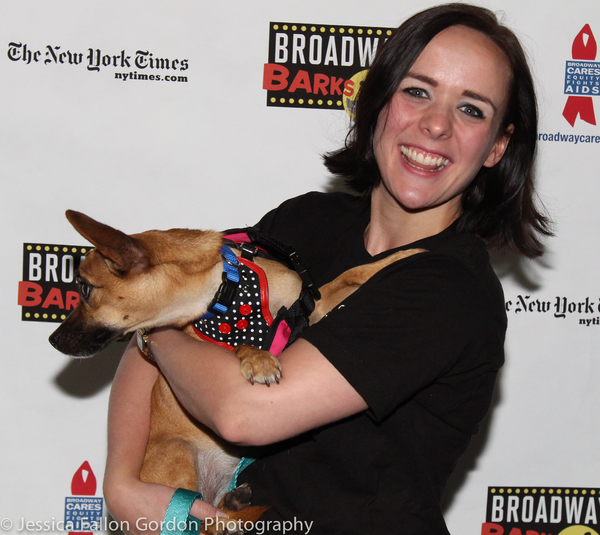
[258,366]
[238,498]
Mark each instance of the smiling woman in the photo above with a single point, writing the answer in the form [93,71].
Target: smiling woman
[498,204]
[439,128]
[379,399]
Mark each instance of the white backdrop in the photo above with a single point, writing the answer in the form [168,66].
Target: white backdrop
[209,153]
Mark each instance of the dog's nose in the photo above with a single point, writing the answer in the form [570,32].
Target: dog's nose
[54,339]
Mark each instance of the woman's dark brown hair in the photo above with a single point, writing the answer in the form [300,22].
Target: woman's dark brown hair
[499,204]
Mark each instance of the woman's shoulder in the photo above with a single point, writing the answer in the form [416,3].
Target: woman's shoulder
[461,264]
[465,249]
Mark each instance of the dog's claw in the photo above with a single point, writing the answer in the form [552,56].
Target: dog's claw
[259,366]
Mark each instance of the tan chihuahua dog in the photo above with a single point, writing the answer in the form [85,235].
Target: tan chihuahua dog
[159,278]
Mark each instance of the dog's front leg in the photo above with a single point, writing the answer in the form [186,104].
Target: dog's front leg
[257,365]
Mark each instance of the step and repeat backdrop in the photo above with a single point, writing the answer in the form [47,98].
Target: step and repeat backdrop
[148,114]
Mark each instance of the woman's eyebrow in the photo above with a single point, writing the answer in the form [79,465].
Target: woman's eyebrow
[467,92]
[481,98]
[422,78]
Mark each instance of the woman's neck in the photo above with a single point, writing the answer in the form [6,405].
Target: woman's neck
[392,226]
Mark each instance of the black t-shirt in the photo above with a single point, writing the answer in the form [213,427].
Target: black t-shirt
[421,342]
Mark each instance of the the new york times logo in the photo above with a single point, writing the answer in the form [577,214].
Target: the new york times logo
[94,59]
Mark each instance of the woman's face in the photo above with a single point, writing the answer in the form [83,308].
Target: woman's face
[442,124]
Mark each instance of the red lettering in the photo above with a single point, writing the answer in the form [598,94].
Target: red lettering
[275,77]
[301,81]
[490,528]
[30,294]
[321,83]
[334,88]
[349,91]
[531,532]
[515,531]
[72,300]
[54,298]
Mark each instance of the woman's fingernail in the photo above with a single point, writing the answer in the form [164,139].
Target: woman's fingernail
[222,514]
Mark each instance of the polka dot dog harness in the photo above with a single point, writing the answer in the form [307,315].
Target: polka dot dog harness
[239,313]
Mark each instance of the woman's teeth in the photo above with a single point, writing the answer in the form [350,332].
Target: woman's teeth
[412,157]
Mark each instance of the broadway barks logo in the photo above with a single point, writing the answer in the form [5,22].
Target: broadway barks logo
[582,78]
[317,65]
[542,511]
[48,291]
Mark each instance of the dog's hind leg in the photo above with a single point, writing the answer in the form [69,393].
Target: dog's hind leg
[182,453]
[171,457]
[170,461]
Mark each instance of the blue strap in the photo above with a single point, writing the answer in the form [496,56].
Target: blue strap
[230,264]
[178,520]
[231,279]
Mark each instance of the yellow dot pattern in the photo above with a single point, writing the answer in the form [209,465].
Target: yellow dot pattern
[58,248]
[547,491]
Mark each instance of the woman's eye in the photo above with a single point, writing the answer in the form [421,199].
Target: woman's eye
[415,92]
[472,111]
[85,290]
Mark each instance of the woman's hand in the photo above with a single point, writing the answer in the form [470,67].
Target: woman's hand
[140,507]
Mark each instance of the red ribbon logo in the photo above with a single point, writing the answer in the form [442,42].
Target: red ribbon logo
[84,481]
[584,48]
[83,484]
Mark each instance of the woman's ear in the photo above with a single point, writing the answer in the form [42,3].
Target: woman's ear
[499,147]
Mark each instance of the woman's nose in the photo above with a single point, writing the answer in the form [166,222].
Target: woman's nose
[437,122]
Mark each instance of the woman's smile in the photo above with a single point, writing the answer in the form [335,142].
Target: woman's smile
[423,160]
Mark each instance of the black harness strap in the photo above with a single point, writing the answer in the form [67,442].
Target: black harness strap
[283,252]
[296,316]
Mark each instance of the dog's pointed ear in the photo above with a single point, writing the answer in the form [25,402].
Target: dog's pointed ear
[122,252]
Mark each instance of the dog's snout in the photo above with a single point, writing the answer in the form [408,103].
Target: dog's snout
[77,342]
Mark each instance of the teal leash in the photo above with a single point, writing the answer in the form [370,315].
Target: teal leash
[178,520]
[244,463]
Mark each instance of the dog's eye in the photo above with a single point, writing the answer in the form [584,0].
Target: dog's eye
[85,290]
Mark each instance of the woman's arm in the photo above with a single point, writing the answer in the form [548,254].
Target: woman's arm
[207,380]
[129,500]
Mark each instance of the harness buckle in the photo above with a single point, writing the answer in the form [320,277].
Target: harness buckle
[224,296]
[248,250]
[302,271]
